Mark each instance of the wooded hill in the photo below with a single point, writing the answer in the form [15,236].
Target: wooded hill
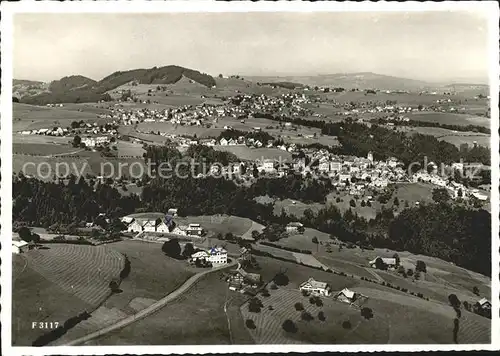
[77,88]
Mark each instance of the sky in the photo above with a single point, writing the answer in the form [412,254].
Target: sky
[432,46]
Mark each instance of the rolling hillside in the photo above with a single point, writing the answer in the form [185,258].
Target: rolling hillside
[79,89]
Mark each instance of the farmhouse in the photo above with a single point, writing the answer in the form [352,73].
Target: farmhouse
[315,287]
[484,304]
[216,255]
[19,246]
[389,262]
[172,211]
[294,227]
[346,296]
[194,229]
[240,278]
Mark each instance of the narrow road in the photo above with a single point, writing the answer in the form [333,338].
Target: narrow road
[64,154]
[151,309]
[374,274]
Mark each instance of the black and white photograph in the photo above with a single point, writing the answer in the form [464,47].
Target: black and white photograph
[303,175]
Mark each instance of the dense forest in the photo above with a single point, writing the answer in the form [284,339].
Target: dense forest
[39,203]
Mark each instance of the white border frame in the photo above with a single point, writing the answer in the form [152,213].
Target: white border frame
[9,9]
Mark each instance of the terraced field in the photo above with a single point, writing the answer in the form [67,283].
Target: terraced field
[84,271]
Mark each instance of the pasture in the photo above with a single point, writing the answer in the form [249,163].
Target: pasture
[57,282]
[79,163]
[44,150]
[152,276]
[304,241]
[31,117]
[450,118]
[196,317]
[36,298]
[412,192]
[129,149]
[215,224]
[451,136]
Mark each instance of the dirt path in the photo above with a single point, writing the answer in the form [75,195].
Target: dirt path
[248,235]
[22,270]
[64,154]
[374,274]
[149,310]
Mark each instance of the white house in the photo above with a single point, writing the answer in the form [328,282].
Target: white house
[19,246]
[194,229]
[294,227]
[172,211]
[149,226]
[135,226]
[268,166]
[200,255]
[344,177]
[315,287]
[217,255]
[335,166]
[346,296]
[162,227]
[127,219]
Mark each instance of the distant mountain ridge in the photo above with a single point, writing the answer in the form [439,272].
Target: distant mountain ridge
[361,80]
[77,88]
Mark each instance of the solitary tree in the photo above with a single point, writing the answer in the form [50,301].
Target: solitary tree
[172,248]
[255,305]
[25,234]
[454,301]
[396,257]
[421,267]
[289,326]
[281,279]
[475,290]
[306,316]
[299,306]
[77,140]
[255,234]
[188,250]
[367,313]
[250,324]
[315,240]
[321,316]
[346,324]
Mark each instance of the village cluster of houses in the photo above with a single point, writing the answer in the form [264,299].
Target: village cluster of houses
[55,131]
[455,189]
[165,225]
[90,129]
